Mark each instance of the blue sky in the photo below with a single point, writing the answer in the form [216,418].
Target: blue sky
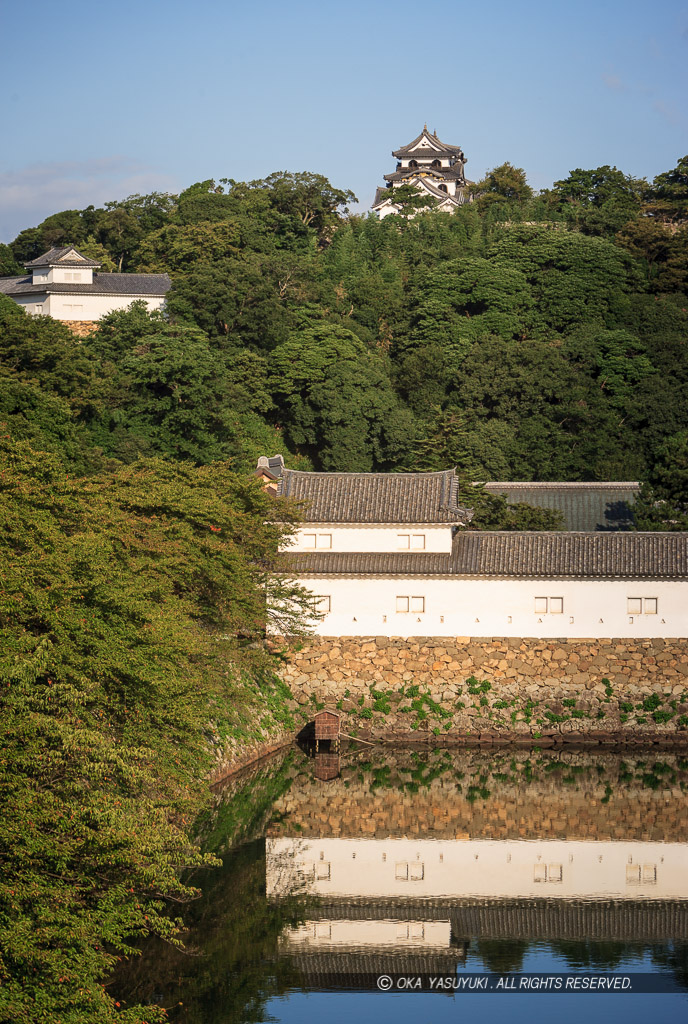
[102,100]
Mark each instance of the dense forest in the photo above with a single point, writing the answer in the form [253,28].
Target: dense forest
[529,337]
[532,337]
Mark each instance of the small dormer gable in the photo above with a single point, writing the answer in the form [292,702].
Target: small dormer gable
[62,265]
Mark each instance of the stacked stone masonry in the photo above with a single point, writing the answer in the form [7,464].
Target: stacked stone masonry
[540,805]
[82,328]
[536,687]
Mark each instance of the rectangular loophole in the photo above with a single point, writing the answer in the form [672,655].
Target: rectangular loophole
[555,873]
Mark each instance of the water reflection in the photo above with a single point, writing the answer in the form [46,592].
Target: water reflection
[434,863]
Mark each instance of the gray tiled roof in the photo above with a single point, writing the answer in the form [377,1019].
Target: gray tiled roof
[411,147]
[272,466]
[520,555]
[103,284]
[56,255]
[585,506]
[375,497]
[385,194]
[448,173]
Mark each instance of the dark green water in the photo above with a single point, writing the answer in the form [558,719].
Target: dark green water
[474,865]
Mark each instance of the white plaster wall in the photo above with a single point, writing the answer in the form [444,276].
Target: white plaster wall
[378,935]
[65,275]
[374,538]
[492,868]
[29,303]
[95,306]
[486,608]
[385,211]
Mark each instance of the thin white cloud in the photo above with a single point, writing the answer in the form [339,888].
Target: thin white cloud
[669,112]
[31,193]
[614,83]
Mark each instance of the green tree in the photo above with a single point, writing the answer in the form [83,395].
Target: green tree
[336,401]
[599,201]
[668,196]
[411,200]
[505,183]
[131,605]
[168,392]
[663,500]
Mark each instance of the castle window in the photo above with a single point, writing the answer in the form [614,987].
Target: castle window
[417,604]
[322,604]
[316,540]
[415,541]
[402,604]
[436,163]
[443,188]
[641,605]
[413,164]
[549,605]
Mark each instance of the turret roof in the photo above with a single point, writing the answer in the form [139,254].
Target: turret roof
[62,256]
[432,143]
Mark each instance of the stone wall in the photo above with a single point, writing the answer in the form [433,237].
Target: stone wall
[82,328]
[496,686]
[476,795]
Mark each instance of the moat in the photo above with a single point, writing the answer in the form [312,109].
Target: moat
[469,864]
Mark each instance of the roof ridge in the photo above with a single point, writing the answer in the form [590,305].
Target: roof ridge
[556,483]
[343,472]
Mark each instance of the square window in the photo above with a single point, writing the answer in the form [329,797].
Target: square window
[308,540]
[634,605]
[554,873]
[401,872]
[323,930]
[539,873]
[322,604]
[402,931]
[324,540]
[403,541]
[417,930]
[418,542]
[632,874]
[650,605]
[307,868]
[540,605]
[649,874]
[417,604]
[323,870]
[402,604]
[556,605]
[417,871]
